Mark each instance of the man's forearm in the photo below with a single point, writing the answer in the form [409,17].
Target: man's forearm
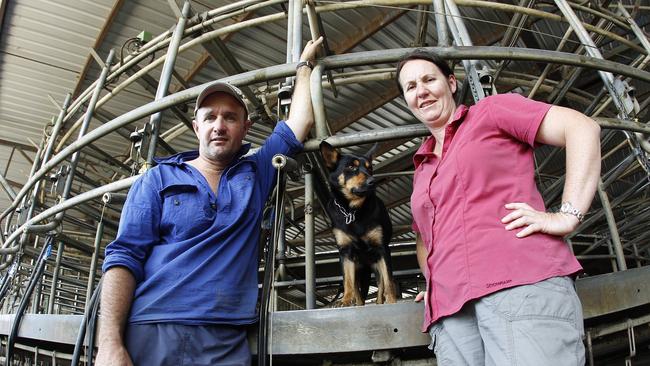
[118,286]
[301,116]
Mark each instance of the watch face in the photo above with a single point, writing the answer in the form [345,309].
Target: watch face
[568,208]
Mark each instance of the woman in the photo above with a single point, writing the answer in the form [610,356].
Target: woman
[500,287]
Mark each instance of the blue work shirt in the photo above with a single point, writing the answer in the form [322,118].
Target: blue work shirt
[194,255]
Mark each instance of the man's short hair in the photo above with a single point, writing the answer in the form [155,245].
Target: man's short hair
[422,54]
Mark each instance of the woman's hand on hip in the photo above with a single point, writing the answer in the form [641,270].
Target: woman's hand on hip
[422,295]
[531,221]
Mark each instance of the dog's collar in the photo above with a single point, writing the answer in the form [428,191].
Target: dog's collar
[349,216]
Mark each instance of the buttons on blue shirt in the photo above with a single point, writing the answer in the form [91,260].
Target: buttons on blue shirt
[213,206]
[177,202]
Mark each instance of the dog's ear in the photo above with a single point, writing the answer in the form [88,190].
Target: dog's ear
[329,154]
[372,150]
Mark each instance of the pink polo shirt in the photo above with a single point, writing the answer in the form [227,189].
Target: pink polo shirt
[458,202]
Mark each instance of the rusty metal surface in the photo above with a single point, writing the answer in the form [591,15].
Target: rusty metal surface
[54,328]
[612,292]
[371,327]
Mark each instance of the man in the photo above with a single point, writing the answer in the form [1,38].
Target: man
[180,279]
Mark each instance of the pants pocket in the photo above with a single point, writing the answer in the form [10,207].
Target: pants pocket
[538,324]
[549,299]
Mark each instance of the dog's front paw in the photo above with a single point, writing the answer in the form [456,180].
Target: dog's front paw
[344,303]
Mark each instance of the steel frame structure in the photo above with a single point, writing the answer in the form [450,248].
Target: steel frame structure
[613,238]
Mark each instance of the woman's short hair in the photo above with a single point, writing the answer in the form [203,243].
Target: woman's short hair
[422,54]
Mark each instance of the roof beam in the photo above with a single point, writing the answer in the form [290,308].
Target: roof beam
[149,84]
[22,152]
[381,98]
[220,53]
[217,50]
[18,145]
[198,66]
[366,30]
[3,11]
[205,57]
[6,185]
[100,39]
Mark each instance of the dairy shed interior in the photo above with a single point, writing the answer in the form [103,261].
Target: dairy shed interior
[87,88]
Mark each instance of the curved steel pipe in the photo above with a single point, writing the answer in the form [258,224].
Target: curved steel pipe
[339,61]
[325,8]
[86,196]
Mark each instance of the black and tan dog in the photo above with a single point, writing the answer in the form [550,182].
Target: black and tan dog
[361,226]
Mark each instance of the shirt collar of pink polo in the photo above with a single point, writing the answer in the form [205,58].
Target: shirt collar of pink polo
[429,143]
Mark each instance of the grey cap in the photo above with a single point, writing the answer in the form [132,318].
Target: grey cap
[220,86]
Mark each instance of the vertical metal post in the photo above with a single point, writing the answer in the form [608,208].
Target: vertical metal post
[612,260]
[441,23]
[75,301]
[46,156]
[318,103]
[637,255]
[93,262]
[645,42]
[74,160]
[638,32]
[39,284]
[290,24]
[25,202]
[616,240]
[421,26]
[289,31]
[462,38]
[312,18]
[56,129]
[315,32]
[310,261]
[297,30]
[165,80]
[281,256]
[55,278]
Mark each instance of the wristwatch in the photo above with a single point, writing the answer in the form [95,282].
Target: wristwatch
[304,63]
[567,208]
